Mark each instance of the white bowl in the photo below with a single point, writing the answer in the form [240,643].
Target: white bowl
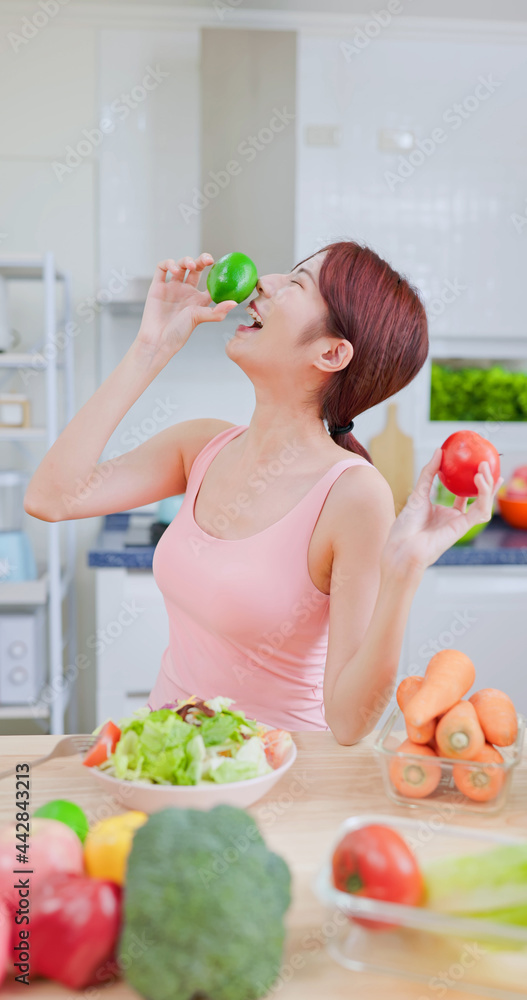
[150,798]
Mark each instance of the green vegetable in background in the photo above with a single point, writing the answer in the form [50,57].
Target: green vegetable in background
[66,812]
[210,898]
[446,498]
[480,884]
[473,393]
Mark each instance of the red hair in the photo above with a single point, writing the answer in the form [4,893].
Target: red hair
[382,316]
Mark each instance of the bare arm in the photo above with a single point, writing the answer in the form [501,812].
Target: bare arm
[364,647]
[69,482]
[378,565]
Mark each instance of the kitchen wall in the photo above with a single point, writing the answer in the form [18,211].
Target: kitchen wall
[39,117]
[248,108]
[446,223]
[166,159]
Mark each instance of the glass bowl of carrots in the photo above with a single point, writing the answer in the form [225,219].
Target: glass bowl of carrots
[438,746]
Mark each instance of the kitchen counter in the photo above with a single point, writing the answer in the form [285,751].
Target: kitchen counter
[112,546]
[298,819]
[497,545]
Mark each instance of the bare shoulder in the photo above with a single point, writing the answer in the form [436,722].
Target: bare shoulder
[361,497]
[193,435]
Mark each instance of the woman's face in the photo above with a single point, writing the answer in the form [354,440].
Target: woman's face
[272,351]
[287,305]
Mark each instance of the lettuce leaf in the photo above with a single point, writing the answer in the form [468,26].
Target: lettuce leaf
[162,748]
[479,883]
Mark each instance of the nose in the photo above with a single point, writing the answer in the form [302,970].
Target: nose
[268,284]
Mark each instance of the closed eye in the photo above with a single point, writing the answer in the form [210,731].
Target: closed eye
[293,282]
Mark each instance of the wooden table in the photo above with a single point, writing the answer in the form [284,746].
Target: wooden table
[298,819]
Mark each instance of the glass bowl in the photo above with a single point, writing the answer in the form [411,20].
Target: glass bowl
[513,511]
[447,793]
[438,950]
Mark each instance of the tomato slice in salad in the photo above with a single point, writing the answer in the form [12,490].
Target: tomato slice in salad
[104,745]
[277,744]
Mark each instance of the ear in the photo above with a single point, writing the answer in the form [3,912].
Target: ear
[337,356]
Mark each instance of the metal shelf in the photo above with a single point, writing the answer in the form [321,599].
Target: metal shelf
[56,584]
[22,433]
[12,359]
[26,268]
[24,711]
[25,592]
[31,592]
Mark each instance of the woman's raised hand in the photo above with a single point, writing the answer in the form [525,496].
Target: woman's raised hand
[174,307]
[423,530]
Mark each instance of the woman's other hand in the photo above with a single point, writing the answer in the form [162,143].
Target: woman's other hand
[423,530]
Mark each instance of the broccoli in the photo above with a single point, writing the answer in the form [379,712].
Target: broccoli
[211,897]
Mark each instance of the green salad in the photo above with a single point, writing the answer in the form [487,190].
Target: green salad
[189,743]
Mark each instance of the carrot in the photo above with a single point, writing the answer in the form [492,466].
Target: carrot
[433,744]
[448,676]
[411,778]
[480,783]
[497,716]
[459,733]
[406,690]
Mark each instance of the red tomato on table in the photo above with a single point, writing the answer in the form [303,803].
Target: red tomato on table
[462,453]
[374,861]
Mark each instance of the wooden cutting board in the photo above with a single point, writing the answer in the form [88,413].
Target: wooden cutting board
[392,453]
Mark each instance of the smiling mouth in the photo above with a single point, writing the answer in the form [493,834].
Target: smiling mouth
[255,315]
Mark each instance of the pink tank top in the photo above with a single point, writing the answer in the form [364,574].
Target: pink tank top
[245,619]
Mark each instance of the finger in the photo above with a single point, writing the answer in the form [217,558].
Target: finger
[203,261]
[427,474]
[481,509]
[181,267]
[222,309]
[486,487]
[205,299]
[460,503]
[499,484]
[162,269]
[203,314]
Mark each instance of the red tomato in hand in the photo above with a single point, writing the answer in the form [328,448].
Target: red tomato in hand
[462,454]
[375,861]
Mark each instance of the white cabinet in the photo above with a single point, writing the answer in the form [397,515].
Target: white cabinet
[481,610]
[131,634]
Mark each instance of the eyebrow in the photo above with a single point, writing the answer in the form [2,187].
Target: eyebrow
[305,271]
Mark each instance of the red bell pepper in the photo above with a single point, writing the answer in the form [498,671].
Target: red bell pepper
[75,924]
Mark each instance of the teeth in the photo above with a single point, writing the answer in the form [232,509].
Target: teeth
[252,312]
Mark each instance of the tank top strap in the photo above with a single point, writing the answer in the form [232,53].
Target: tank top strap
[206,455]
[311,506]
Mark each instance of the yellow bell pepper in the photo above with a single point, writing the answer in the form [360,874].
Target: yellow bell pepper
[109,843]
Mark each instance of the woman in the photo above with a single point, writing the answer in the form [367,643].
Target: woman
[286,576]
